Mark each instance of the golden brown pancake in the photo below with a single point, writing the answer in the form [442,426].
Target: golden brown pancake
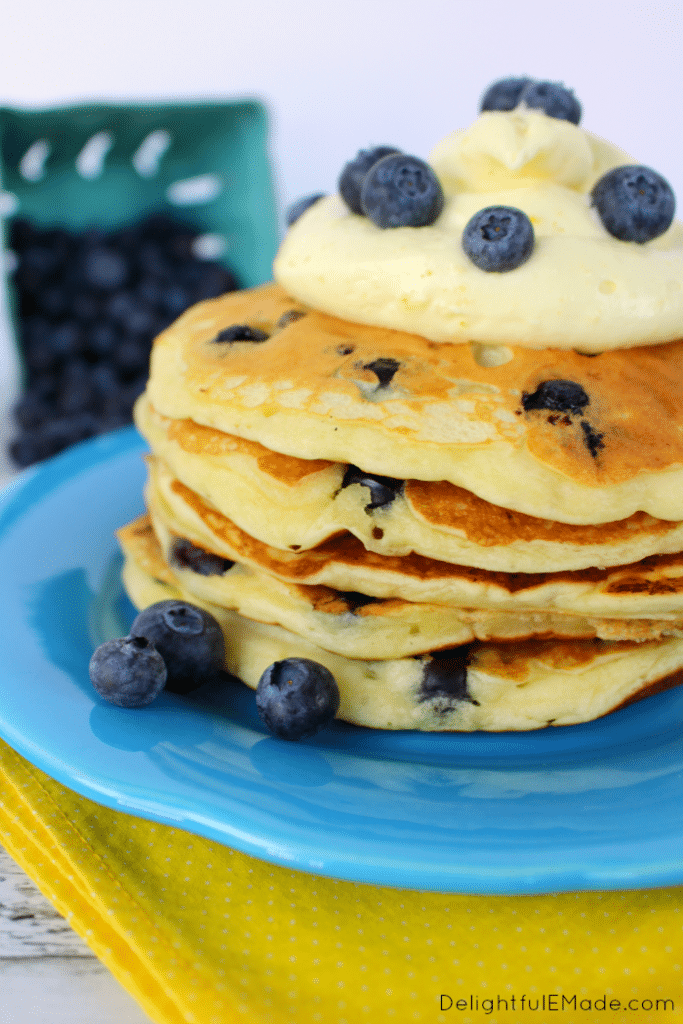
[651,589]
[491,686]
[607,444]
[288,502]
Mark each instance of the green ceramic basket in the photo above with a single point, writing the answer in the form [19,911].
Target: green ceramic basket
[107,165]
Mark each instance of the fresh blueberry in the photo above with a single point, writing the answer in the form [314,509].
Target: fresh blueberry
[105,269]
[300,206]
[132,357]
[634,203]
[498,238]
[240,332]
[174,300]
[129,672]
[553,99]
[85,307]
[504,94]
[189,640]
[66,340]
[76,392]
[383,489]
[353,174]
[401,191]
[296,697]
[558,396]
[53,302]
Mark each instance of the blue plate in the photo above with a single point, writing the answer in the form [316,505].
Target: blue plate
[596,806]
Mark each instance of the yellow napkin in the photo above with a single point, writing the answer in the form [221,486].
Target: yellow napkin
[202,934]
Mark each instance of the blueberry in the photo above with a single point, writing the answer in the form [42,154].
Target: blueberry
[383,489]
[76,392]
[558,396]
[32,411]
[353,174]
[240,332]
[634,203]
[296,697]
[189,640]
[129,672]
[444,679]
[101,340]
[553,99]
[498,238]
[504,94]
[66,340]
[300,206]
[593,439]
[213,280]
[85,307]
[355,600]
[53,302]
[105,269]
[187,555]
[132,357]
[401,191]
[384,369]
[288,318]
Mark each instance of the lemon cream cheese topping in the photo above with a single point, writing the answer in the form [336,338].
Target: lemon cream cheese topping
[581,288]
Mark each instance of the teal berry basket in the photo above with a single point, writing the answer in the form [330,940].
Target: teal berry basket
[108,165]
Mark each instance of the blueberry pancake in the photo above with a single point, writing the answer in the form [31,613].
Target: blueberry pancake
[490,686]
[554,434]
[649,589]
[297,504]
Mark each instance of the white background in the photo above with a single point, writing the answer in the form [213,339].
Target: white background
[338,75]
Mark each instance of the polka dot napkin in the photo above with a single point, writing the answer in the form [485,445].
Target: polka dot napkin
[202,934]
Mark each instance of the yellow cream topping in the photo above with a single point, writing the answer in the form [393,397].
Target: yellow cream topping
[581,288]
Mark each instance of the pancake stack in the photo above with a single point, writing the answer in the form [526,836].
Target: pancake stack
[470,527]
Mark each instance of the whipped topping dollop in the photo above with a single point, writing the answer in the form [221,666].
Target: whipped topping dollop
[581,288]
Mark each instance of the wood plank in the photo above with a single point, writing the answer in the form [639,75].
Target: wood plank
[29,924]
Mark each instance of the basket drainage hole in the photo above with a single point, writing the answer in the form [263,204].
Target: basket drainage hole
[90,160]
[194,191]
[147,156]
[209,247]
[32,163]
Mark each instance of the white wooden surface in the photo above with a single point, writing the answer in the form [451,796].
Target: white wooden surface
[47,973]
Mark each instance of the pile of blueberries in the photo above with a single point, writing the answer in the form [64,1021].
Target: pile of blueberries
[176,646]
[89,305]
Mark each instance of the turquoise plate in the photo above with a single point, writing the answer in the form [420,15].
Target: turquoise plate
[597,806]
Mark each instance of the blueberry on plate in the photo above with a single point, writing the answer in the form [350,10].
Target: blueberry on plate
[401,191]
[353,174]
[129,672]
[635,204]
[189,640]
[498,238]
[504,94]
[300,206]
[296,697]
[553,99]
